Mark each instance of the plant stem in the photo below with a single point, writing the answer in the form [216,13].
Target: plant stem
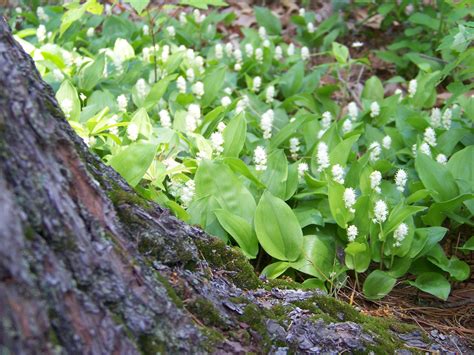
[152,29]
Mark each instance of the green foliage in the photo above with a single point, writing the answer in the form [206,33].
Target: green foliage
[248,141]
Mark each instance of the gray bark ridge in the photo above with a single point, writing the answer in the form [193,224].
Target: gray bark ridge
[87,266]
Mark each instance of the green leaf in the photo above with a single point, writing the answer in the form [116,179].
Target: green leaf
[308,216]
[340,52]
[138,5]
[141,119]
[373,90]
[240,167]
[71,16]
[276,174]
[133,161]
[240,230]
[336,204]
[399,214]
[234,136]
[92,74]
[213,83]
[288,130]
[272,271]
[68,92]
[433,283]
[378,284]
[157,91]
[358,256]
[439,210]
[217,179]
[267,19]
[436,177]
[292,80]
[317,258]
[340,153]
[469,245]
[277,227]
[425,239]
[314,283]
[420,18]
[203,4]
[463,173]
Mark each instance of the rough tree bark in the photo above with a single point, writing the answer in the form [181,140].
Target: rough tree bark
[87,266]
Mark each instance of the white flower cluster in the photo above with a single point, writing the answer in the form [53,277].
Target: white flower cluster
[374,109]
[226,101]
[256,83]
[401,179]
[132,132]
[412,88]
[380,212]
[266,124]
[242,104]
[442,159]
[66,106]
[294,147]
[375,181]
[141,87]
[302,169]
[42,16]
[165,118]
[270,94]
[193,117]
[122,103]
[446,119]
[41,33]
[349,198]
[305,53]
[353,110]
[217,142]
[352,233]
[387,142]
[181,85]
[325,123]
[338,174]
[375,151]
[112,121]
[430,136]
[399,235]
[435,118]
[322,156]
[260,158]
[187,192]
[198,89]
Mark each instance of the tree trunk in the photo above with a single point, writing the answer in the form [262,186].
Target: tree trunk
[87,266]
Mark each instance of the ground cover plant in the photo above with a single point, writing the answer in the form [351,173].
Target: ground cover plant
[244,138]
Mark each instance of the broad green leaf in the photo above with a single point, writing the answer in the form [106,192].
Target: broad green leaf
[336,203]
[240,230]
[340,52]
[469,245]
[276,174]
[70,16]
[201,211]
[218,180]
[317,258]
[358,256]
[234,136]
[288,130]
[272,271]
[138,5]
[425,239]
[141,119]
[420,18]
[133,161]
[399,214]
[378,284]
[308,216]
[67,93]
[439,210]
[157,91]
[314,283]
[373,90]
[213,83]
[433,283]
[203,4]
[240,167]
[464,173]
[341,152]
[268,20]
[291,181]
[292,80]
[92,73]
[277,228]
[436,177]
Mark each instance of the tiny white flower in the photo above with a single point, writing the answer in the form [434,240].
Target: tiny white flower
[195,111]
[302,12]
[399,234]
[191,123]
[197,15]
[442,159]
[190,74]
[122,103]
[400,93]
[221,126]
[387,142]
[182,18]
[229,49]
[291,49]
[165,118]
[266,124]
[242,104]
[349,198]
[238,55]
[338,174]
[113,120]
[198,89]
[90,32]
[259,55]
[142,89]
[171,31]
[42,16]
[260,158]
[322,156]
[357,44]
[237,66]
[425,148]
[352,232]
[375,151]
[401,179]
[412,87]
[266,43]
[18,10]
[146,30]
[347,126]
[181,85]
[305,53]
[199,62]
[165,53]
[41,33]
[278,53]
[374,109]
[269,94]
[217,142]
[187,192]
[190,54]
[226,101]
[294,147]
[132,132]
[446,119]
[380,212]
[352,110]
[430,136]
[256,83]
[228,91]
[435,118]
[327,119]
[375,180]
[310,27]
[66,106]
[248,50]
[82,97]
[58,75]
[302,169]
[262,32]
[219,51]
